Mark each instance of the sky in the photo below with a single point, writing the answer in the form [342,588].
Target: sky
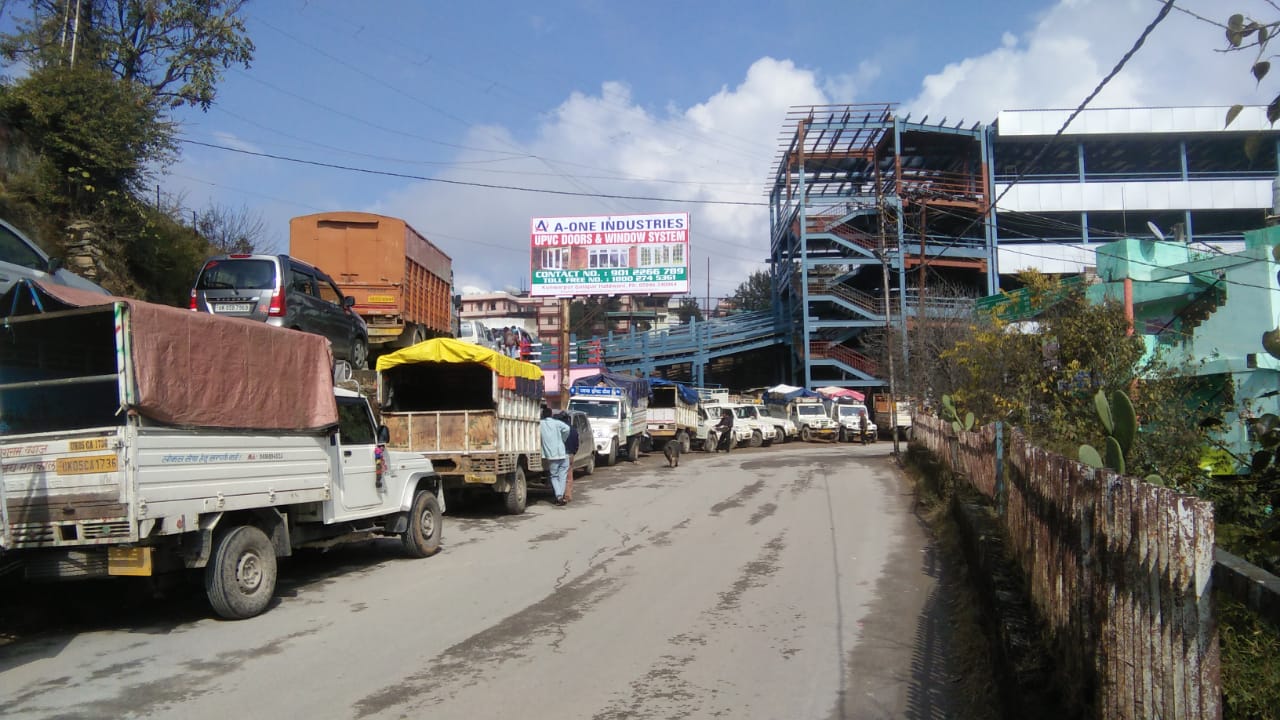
[467,119]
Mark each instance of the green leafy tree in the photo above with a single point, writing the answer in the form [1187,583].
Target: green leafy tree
[176,49]
[689,309]
[755,293]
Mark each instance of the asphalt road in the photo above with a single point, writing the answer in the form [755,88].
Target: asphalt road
[785,582]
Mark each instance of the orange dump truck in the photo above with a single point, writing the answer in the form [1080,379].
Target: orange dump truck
[402,284]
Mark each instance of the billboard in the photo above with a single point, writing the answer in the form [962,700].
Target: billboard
[609,254]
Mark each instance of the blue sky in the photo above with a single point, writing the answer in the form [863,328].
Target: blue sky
[680,100]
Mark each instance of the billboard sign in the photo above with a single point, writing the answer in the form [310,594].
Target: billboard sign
[608,254]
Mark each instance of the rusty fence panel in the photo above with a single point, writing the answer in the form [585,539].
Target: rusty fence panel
[1119,570]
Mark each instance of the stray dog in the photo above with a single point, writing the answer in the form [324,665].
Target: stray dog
[672,451]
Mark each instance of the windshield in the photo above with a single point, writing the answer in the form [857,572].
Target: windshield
[764,412]
[808,409]
[743,412]
[852,411]
[238,275]
[595,408]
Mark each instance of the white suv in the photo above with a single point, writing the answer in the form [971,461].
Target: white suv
[773,429]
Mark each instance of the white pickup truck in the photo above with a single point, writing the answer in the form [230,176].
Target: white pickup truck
[139,440]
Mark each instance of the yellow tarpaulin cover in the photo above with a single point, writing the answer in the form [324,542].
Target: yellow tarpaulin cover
[449,350]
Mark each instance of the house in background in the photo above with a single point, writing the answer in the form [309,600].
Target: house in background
[1206,310]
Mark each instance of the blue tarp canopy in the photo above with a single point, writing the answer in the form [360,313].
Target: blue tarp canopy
[687,394]
[782,394]
[637,388]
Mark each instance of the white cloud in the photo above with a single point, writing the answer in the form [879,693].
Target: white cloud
[1076,43]
[608,144]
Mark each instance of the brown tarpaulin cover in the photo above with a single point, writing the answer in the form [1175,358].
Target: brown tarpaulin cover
[200,370]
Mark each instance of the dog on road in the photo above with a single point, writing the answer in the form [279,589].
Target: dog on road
[672,451]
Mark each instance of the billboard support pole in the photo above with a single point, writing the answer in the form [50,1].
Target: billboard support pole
[564,352]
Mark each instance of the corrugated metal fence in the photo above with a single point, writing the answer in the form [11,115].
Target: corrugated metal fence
[1118,569]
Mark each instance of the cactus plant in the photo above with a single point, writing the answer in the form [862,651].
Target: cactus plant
[949,413]
[1119,422]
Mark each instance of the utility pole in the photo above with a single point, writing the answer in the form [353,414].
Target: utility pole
[564,351]
[883,253]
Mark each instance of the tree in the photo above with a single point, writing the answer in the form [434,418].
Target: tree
[231,230]
[689,309]
[176,49]
[755,293]
[589,317]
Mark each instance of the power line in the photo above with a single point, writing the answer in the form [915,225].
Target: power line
[464,183]
[1124,59]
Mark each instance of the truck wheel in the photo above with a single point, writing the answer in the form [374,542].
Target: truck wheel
[805,434]
[241,575]
[685,443]
[757,439]
[633,449]
[612,457]
[517,496]
[842,437]
[422,539]
[360,354]
[590,467]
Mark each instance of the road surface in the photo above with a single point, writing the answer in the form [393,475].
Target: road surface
[785,582]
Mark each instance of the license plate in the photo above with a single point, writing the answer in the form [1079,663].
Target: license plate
[233,307]
[381,300]
[87,465]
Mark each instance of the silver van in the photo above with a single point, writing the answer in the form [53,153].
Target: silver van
[285,292]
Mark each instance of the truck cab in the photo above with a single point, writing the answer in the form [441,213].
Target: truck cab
[810,416]
[610,414]
[775,429]
[742,429]
[848,417]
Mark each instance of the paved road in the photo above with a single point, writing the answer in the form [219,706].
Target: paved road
[785,582]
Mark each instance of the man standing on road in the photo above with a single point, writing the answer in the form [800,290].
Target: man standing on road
[554,457]
[570,451]
[862,427]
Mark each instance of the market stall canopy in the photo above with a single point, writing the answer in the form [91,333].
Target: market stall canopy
[839,393]
[781,394]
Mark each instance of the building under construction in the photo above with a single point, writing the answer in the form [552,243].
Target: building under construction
[877,221]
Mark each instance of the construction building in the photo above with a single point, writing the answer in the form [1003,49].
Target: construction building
[878,220]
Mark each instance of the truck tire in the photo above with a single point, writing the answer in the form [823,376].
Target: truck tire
[422,539]
[517,496]
[240,578]
[757,439]
[590,467]
[685,443]
[612,457]
[805,434]
[842,436]
[633,449]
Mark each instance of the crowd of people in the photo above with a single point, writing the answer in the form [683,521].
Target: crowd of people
[514,342]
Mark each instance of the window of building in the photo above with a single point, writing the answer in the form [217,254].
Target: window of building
[555,258]
[661,255]
[607,257]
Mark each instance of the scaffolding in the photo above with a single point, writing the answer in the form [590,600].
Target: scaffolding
[856,188]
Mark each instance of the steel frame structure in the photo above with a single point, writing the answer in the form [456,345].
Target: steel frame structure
[854,187]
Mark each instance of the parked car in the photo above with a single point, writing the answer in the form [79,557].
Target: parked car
[284,292]
[585,458]
[21,258]
[475,332]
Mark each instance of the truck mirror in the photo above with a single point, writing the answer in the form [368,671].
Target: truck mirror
[348,301]
[384,435]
